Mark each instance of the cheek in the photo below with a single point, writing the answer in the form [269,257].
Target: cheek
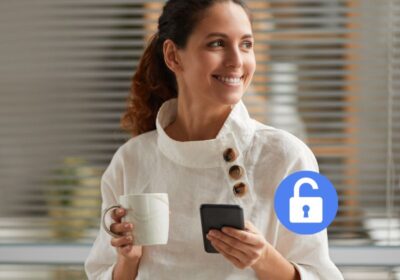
[207,63]
[251,64]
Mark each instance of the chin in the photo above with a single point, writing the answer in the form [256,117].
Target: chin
[230,99]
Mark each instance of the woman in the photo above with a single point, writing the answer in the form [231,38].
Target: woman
[185,146]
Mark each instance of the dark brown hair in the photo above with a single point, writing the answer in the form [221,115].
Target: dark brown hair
[154,83]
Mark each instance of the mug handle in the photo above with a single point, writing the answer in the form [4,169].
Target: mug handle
[103,221]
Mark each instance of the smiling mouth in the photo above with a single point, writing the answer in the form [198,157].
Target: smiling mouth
[231,81]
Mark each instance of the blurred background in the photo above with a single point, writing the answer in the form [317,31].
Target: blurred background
[327,70]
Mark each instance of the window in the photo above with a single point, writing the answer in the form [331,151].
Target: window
[327,71]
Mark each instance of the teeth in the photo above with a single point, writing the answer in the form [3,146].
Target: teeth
[229,80]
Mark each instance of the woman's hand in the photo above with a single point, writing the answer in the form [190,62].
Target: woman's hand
[243,248]
[124,244]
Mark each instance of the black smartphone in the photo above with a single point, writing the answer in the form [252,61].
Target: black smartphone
[217,216]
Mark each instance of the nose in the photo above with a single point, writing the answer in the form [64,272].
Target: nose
[233,58]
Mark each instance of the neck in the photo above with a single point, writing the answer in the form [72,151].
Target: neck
[197,121]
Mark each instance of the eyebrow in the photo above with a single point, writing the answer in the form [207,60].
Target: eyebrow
[217,34]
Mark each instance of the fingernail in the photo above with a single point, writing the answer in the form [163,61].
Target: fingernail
[127,226]
[129,238]
[211,233]
[120,211]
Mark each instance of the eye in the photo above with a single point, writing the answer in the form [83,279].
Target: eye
[248,44]
[217,43]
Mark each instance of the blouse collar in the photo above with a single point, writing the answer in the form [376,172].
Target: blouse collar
[236,133]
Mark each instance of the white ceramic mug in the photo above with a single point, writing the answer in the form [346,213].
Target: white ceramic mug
[149,213]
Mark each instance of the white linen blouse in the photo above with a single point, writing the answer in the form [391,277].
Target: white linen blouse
[196,172]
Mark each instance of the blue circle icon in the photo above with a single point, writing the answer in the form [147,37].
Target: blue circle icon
[306,202]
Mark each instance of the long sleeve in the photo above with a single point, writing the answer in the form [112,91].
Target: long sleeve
[309,253]
[102,257]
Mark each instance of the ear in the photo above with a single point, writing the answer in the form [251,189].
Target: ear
[171,56]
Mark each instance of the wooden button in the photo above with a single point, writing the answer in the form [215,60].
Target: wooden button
[236,172]
[240,189]
[230,155]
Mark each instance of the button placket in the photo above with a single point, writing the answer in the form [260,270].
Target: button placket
[235,171]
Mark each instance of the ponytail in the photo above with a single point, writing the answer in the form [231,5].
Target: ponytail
[152,85]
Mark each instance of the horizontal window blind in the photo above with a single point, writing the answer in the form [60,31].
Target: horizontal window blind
[327,71]
[42,272]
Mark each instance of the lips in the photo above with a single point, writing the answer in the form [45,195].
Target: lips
[229,79]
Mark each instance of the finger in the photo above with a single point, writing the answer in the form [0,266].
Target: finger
[117,214]
[243,236]
[249,226]
[235,261]
[121,228]
[231,241]
[231,247]
[122,241]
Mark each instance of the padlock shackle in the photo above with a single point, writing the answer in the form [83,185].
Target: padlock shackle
[302,181]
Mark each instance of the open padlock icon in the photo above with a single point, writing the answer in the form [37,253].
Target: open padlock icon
[305,209]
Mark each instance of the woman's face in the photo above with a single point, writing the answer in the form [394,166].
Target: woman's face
[218,62]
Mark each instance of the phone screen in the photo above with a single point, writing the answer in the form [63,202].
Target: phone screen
[217,216]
